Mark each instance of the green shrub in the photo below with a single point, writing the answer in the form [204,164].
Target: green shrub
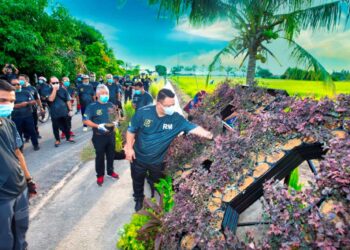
[128,235]
[165,188]
[118,141]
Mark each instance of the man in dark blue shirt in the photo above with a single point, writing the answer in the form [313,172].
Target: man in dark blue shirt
[93,81]
[22,114]
[34,92]
[141,97]
[98,115]
[15,179]
[151,131]
[86,95]
[60,109]
[114,89]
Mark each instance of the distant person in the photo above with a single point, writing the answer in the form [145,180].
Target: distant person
[128,86]
[60,109]
[141,98]
[34,92]
[22,114]
[196,101]
[10,72]
[146,83]
[97,115]
[93,81]
[72,93]
[85,96]
[115,90]
[150,133]
[15,180]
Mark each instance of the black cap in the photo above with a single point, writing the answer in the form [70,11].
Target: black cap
[115,77]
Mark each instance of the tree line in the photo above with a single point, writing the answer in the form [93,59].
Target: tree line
[46,40]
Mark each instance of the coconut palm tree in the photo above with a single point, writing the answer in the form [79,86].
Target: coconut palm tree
[260,22]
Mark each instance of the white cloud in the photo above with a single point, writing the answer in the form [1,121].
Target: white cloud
[108,31]
[199,59]
[219,31]
[330,46]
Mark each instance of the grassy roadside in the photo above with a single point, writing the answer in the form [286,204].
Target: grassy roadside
[87,153]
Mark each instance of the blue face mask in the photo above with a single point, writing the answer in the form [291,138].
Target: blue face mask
[138,92]
[110,80]
[21,82]
[6,110]
[104,98]
[41,81]
[66,84]
[169,110]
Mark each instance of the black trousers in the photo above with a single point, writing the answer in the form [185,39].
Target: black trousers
[104,147]
[14,219]
[69,123]
[35,118]
[60,123]
[26,125]
[127,96]
[139,172]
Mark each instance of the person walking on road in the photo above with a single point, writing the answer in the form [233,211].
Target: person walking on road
[97,115]
[86,95]
[150,133]
[15,180]
[141,98]
[60,109]
[22,114]
[72,93]
[34,92]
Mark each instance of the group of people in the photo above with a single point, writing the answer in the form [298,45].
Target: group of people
[150,133]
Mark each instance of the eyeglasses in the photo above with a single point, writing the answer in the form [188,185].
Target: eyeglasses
[16,84]
[55,82]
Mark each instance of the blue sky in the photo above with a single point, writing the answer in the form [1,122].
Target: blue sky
[138,36]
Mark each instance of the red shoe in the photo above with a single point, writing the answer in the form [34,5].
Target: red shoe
[71,133]
[63,136]
[114,175]
[100,180]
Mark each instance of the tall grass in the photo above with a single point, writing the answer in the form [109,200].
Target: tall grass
[155,87]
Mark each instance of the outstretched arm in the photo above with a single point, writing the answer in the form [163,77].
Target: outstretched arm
[201,132]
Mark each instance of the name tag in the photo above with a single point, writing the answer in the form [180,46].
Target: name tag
[167,126]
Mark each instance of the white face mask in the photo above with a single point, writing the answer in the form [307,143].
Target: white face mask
[169,110]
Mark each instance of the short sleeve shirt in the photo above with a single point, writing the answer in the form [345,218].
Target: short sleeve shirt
[154,134]
[142,100]
[86,94]
[23,96]
[33,91]
[114,90]
[58,108]
[12,179]
[99,113]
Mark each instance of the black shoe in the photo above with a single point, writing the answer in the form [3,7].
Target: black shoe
[138,204]
[39,137]
[152,191]
[36,148]
[26,140]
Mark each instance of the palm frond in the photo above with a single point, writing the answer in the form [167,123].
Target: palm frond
[327,15]
[199,11]
[271,54]
[228,50]
[303,57]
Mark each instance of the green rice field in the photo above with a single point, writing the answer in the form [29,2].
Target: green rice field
[192,84]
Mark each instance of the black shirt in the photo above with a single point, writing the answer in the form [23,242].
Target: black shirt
[142,100]
[154,134]
[86,93]
[23,96]
[128,85]
[12,179]
[99,113]
[58,108]
[94,85]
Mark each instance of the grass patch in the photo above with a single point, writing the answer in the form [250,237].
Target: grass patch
[192,84]
[88,153]
[155,87]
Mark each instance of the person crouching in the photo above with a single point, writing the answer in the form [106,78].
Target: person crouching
[99,115]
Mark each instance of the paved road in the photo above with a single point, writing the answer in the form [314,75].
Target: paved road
[79,214]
